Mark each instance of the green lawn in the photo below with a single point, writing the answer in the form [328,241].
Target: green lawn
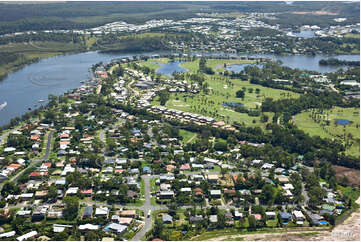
[142,188]
[153,201]
[333,130]
[272,223]
[211,104]
[138,203]
[150,63]
[187,135]
[353,193]
[153,186]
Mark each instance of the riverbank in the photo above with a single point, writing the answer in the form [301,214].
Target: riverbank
[27,53]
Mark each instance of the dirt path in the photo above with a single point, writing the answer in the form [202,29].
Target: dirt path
[332,86]
[192,138]
[267,236]
[37,47]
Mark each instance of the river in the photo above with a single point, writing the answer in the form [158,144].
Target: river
[24,88]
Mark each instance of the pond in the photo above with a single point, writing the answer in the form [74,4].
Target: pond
[232,104]
[240,67]
[170,68]
[343,121]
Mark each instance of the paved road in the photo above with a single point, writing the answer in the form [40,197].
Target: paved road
[130,87]
[146,208]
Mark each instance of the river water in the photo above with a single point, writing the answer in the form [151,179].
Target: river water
[24,88]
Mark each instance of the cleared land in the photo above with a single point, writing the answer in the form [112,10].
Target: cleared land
[352,175]
[318,126]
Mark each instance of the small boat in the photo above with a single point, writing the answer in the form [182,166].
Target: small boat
[41,100]
[2,106]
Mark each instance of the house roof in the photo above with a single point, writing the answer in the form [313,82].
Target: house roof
[285,215]
[213,218]
[185,167]
[167,218]
[89,227]
[118,227]
[298,214]
[102,210]
[88,211]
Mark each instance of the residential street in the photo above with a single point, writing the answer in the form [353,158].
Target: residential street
[36,162]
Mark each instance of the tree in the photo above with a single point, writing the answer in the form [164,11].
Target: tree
[240,94]
[163,97]
[52,193]
[70,211]
[264,118]
[91,236]
[252,223]
[10,188]
[220,146]
[62,236]
[221,220]
[268,194]
[158,228]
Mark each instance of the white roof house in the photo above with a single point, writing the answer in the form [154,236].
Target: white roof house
[270,214]
[238,214]
[186,189]
[267,166]
[118,227]
[288,186]
[27,195]
[215,192]
[256,162]
[67,169]
[72,190]
[58,228]
[211,160]
[101,211]
[88,227]
[298,215]
[9,149]
[27,236]
[8,234]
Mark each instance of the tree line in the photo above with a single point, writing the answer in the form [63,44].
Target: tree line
[337,62]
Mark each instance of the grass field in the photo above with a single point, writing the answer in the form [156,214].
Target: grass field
[353,193]
[222,90]
[333,130]
[216,64]
[186,135]
[211,104]
[150,63]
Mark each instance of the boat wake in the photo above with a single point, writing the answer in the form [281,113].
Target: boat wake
[2,106]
